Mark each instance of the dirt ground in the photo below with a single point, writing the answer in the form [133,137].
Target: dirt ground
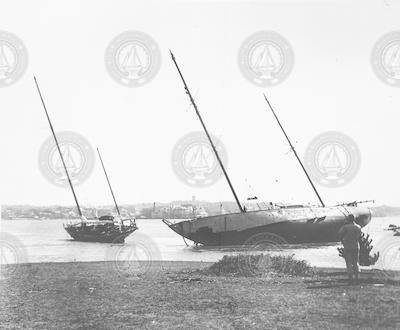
[174,295]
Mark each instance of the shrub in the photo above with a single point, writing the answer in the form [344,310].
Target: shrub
[260,264]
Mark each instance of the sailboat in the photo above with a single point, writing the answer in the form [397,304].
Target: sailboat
[281,222]
[105,229]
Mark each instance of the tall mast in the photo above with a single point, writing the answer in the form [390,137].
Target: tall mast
[59,150]
[208,135]
[109,184]
[295,153]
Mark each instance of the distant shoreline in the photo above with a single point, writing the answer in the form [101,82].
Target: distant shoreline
[68,219]
[54,212]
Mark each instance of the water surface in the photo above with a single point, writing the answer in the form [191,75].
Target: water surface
[47,241]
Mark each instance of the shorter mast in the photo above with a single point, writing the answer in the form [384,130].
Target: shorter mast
[208,135]
[59,150]
[109,184]
[295,153]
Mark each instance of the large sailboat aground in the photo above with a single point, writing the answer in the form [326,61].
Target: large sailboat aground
[294,224]
[283,223]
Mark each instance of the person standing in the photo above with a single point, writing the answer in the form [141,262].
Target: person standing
[350,234]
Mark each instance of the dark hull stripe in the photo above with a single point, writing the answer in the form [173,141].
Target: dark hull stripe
[290,232]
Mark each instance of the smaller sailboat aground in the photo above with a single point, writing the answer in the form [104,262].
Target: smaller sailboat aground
[105,229]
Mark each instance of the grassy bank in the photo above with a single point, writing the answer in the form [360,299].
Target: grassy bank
[104,295]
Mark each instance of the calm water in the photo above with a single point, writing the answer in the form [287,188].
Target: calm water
[47,241]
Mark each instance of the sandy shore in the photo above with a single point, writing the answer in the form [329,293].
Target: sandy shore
[105,295]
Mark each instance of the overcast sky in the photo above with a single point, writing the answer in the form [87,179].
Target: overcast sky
[332,86]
